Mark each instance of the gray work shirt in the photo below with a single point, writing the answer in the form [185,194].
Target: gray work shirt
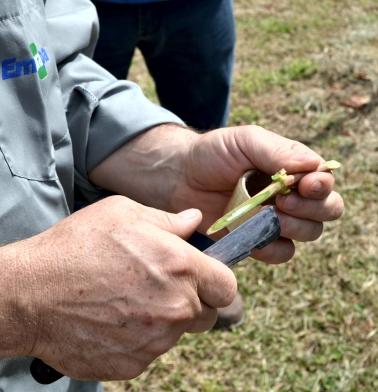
[60,115]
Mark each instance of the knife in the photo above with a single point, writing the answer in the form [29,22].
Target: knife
[257,232]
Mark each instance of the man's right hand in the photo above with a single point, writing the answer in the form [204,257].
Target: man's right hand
[104,292]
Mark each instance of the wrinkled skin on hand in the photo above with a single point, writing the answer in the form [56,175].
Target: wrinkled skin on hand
[217,159]
[173,168]
[114,286]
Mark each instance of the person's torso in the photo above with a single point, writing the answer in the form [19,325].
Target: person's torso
[36,164]
[36,168]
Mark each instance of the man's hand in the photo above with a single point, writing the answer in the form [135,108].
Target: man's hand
[217,159]
[107,290]
[173,169]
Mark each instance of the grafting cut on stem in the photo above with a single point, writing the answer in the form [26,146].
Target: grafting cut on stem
[281,183]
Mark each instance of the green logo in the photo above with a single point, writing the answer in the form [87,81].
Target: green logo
[39,60]
[14,68]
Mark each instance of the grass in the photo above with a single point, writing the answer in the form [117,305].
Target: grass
[258,81]
[310,325]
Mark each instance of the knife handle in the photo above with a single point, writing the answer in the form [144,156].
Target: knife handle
[255,233]
[43,373]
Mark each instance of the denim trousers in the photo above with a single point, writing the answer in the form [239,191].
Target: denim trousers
[188,47]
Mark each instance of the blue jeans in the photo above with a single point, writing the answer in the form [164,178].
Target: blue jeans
[188,47]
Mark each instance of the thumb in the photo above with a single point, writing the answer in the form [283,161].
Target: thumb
[182,224]
[270,152]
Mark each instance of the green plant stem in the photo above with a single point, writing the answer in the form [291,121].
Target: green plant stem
[282,183]
[245,207]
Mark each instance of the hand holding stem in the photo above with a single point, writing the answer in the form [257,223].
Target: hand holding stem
[282,183]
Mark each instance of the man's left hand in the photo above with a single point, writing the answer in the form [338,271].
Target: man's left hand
[173,168]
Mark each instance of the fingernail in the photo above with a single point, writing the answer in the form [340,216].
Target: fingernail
[190,214]
[317,186]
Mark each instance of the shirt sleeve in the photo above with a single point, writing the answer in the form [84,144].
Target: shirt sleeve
[102,112]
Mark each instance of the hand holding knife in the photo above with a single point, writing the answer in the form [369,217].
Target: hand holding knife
[257,232]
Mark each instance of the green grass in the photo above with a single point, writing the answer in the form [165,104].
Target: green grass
[244,115]
[310,325]
[257,80]
[273,26]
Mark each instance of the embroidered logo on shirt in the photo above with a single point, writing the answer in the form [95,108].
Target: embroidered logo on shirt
[13,68]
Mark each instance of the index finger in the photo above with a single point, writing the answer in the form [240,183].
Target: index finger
[217,284]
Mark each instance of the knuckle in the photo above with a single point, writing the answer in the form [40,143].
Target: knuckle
[174,257]
[166,220]
[185,310]
[114,200]
[111,207]
[248,130]
[182,266]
